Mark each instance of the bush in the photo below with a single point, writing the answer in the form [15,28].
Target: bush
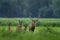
[26,22]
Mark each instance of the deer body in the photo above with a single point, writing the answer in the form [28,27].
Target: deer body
[32,26]
[19,27]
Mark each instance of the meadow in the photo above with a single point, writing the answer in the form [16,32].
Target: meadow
[46,29]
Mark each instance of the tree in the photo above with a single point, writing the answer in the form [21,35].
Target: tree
[56,8]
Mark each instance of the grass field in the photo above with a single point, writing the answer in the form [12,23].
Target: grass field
[40,33]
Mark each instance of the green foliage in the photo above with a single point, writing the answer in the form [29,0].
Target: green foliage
[26,22]
[40,22]
[42,34]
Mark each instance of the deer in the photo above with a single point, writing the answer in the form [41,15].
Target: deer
[32,25]
[9,27]
[19,27]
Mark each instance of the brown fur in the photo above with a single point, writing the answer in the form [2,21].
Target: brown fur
[19,27]
[32,26]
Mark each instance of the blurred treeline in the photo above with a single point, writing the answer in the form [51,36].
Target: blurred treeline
[30,8]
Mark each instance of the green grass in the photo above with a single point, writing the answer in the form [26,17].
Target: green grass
[41,21]
[41,32]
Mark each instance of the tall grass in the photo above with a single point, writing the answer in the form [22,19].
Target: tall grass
[39,34]
[47,29]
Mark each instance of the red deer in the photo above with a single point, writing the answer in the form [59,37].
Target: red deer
[32,25]
[9,27]
[19,27]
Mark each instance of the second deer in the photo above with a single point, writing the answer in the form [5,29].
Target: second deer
[32,25]
[19,27]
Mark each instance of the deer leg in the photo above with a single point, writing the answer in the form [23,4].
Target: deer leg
[32,29]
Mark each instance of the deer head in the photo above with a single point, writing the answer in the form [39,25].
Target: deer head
[19,27]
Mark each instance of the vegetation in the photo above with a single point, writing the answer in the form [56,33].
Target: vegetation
[26,21]
[43,31]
